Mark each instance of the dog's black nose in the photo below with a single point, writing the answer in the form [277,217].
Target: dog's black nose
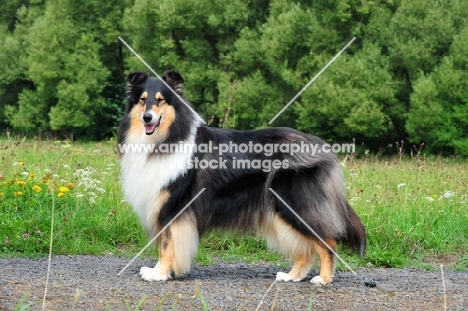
[147,117]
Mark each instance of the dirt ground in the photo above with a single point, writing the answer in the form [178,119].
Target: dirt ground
[91,283]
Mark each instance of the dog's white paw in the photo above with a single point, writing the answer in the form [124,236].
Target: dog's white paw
[318,280]
[153,274]
[284,277]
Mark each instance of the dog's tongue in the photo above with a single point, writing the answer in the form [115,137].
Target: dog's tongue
[149,128]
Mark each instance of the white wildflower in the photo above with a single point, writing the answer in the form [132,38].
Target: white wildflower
[430,199]
[88,183]
[447,195]
[401,185]
[66,166]
[25,174]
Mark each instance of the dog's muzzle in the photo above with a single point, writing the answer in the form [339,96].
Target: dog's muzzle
[151,122]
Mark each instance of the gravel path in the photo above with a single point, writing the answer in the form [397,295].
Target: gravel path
[225,286]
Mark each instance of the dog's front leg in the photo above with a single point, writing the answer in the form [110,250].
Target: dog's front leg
[177,246]
[162,270]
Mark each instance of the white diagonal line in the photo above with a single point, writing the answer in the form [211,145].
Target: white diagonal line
[159,233]
[51,189]
[264,296]
[313,79]
[312,230]
[156,74]
[443,286]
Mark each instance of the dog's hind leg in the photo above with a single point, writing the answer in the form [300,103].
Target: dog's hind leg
[177,246]
[301,267]
[293,244]
[327,262]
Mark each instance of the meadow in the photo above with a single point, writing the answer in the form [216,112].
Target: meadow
[415,208]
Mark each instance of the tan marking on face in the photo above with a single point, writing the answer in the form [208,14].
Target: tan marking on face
[159,96]
[144,95]
[168,116]
[136,126]
[164,110]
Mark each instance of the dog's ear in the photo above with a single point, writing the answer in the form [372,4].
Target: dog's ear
[135,81]
[174,80]
[136,77]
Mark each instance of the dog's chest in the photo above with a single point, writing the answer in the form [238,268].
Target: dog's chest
[143,178]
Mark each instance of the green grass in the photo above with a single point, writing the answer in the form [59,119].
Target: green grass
[413,209]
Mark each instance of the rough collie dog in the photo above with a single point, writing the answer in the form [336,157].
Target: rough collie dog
[158,181]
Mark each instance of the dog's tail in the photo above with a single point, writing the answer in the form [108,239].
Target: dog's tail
[355,236]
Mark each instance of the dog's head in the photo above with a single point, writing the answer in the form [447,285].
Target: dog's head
[151,104]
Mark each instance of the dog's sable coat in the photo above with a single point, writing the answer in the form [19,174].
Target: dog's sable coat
[159,185]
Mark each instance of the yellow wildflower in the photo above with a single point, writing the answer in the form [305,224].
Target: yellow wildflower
[46,179]
[21,183]
[32,176]
[18,193]
[61,194]
[1,194]
[64,189]
[36,188]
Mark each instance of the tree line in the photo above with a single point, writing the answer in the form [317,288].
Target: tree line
[405,77]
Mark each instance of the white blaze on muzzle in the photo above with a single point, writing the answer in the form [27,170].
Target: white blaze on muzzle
[151,120]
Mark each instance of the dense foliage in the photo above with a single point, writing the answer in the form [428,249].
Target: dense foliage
[405,77]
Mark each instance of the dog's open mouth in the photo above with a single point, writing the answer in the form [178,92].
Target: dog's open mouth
[151,127]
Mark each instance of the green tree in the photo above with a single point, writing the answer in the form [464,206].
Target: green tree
[193,37]
[349,100]
[68,76]
[67,50]
[13,66]
[62,67]
[439,104]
